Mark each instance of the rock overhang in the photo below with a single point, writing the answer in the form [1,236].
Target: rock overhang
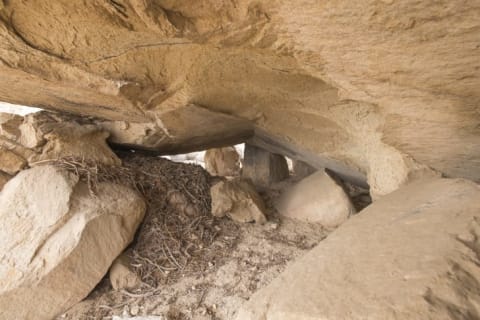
[383,98]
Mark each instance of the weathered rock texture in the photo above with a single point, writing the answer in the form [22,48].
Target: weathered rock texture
[10,162]
[317,198]
[377,90]
[222,162]
[238,200]
[57,240]
[46,136]
[411,255]
[121,274]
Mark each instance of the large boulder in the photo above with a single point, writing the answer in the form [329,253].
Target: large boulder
[49,136]
[238,200]
[57,240]
[413,254]
[222,162]
[34,128]
[317,198]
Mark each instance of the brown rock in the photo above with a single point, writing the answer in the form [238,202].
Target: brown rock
[411,255]
[361,89]
[121,274]
[10,162]
[222,162]
[238,200]
[9,126]
[5,117]
[81,141]
[29,154]
[57,241]
[317,198]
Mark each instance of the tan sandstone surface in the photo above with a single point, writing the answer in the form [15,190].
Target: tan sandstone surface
[58,240]
[378,91]
[317,198]
[411,255]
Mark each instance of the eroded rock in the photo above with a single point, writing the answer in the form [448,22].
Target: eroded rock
[9,125]
[317,198]
[359,98]
[58,240]
[121,274]
[49,136]
[80,141]
[411,255]
[238,200]
[222,162]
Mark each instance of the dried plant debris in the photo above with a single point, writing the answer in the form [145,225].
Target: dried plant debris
[192,265]
[178,225]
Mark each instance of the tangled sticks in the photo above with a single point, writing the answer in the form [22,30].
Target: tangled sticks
[178,225]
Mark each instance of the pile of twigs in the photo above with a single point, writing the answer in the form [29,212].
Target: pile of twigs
[178,225]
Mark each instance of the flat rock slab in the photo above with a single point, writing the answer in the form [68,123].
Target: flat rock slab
[57,240]
[411,255]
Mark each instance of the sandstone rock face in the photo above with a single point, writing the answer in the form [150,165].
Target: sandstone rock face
[222,162]
[58,241]
[262,167]
[238,200]
[317,198]
[9,125]
[411,255]
[374,90]
[46,136]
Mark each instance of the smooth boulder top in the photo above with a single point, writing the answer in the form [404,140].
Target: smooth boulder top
[317,198]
